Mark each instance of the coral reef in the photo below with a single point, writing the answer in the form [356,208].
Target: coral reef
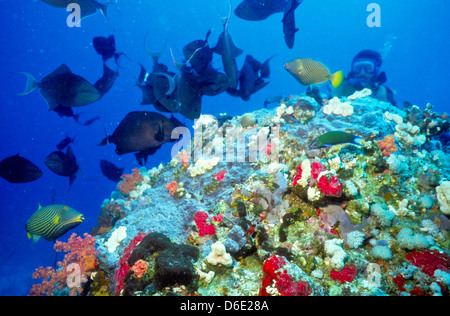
[271,217]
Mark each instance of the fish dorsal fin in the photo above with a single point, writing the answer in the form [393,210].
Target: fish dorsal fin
[61,70]
[39,206]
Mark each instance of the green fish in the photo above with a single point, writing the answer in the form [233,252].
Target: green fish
[334,138]
[52,221]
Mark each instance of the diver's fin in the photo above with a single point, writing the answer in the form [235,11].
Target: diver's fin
[337,78]
[32,84]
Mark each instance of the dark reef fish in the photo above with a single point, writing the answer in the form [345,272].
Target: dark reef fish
[65,142]
[63,164]
[105,83]
[228,51]
[52,221]
[257,10]
[251,77]
[64,111]
[143,132]
[106,47]
[111,171]
[289,29]
[188,94]
[334,138]
[87,7]
[62,87]
[158,87]
[16,169]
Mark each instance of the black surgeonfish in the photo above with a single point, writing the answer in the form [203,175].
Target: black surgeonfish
[105,83]
[87,7]
[158,87]
[289,29]
[63,164]
[257,10]
[111,171]
[65,142]
[143,132]
[52,221]
[251,77]
[64,88]
[189,94]
[226,48]
[16,169]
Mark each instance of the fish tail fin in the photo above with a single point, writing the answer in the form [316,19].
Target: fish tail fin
[337,78]
[357,141]
[175,63]
[226,19]
[154,55]
[105,141]
[32,84]
[103,8]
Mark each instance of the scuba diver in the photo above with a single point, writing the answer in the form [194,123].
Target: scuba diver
[365,73]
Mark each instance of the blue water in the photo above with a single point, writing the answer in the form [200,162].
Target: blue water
[35,38]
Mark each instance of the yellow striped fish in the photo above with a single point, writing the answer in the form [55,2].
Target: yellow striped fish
[308,71]
[52,221]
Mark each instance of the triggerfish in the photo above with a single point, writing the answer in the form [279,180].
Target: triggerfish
[88,7]
[334,138]
[308,71]
[62,87]
[52,221]
[16,169]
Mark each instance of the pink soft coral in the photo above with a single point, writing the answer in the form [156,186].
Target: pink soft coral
[129,181]
[79,251]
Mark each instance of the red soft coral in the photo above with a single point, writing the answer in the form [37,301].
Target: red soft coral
[298,176]
[123,262]
[316,168]
[330,187]
[200,219]
[346,275]
[283,281]
[430,261]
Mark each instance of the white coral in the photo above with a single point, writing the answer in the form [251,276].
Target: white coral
[337,107]
[334,250]
[443,196]
[219,255]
